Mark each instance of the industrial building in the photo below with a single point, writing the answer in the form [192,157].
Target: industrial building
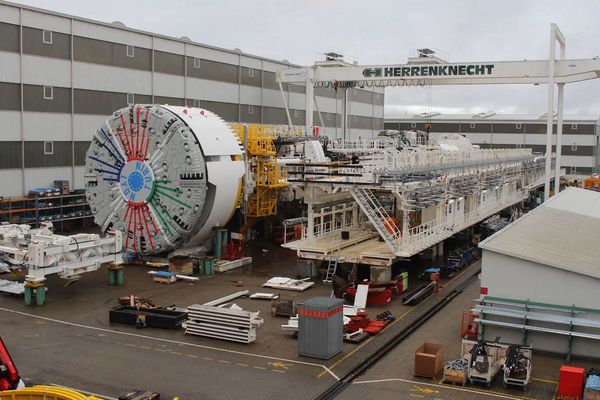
[580,143]
[540,277]
[61,76]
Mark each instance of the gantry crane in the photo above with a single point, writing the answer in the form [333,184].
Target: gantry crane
[434,71]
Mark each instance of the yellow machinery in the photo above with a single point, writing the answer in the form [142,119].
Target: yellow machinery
[268,175]
[44,393]
[592,183]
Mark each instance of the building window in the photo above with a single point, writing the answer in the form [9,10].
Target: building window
[472,125]
[251,72]
[296,113]
[130,98]
[47,37]
[518,126]
[413,124]
[196,103]
[573,127]
[130,51]
[327,116]
[573,147]
[196,62]
[48,92]
[250,109]
[573,170]
[48,148]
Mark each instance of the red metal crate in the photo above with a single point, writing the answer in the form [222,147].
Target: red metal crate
[571,382]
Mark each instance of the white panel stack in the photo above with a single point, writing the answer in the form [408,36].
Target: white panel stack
[222,323]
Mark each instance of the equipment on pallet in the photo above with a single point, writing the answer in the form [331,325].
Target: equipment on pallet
[43,253]
[517,367]
[456,371]
[485,360]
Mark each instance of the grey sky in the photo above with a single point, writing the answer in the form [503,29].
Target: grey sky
[379,32]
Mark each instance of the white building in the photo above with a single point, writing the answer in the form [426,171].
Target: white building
[61,76]
[580,140]
[540,277]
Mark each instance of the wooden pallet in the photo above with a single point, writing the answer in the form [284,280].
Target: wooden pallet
[455,377]
[424,376]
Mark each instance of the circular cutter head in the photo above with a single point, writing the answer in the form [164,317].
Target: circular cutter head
[163,175]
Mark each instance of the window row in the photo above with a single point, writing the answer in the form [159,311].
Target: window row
[47,43]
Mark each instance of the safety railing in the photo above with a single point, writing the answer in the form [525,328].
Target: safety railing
[422,236]
[366,145]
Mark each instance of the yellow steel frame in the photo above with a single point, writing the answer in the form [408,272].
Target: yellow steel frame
[270,177]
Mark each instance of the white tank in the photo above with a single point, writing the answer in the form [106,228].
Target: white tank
[163,175]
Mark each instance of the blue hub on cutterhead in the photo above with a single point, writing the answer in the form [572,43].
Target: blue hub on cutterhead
[136,182]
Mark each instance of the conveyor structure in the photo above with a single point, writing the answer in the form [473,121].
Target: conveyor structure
[397,199]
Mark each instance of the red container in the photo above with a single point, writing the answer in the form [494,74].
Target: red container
[570,383]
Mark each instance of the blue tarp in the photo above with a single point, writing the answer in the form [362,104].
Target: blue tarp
[593,382]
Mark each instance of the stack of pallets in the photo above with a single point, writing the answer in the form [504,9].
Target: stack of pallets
[230,324]
[181,265]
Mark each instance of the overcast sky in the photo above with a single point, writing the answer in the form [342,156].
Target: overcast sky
[382,32]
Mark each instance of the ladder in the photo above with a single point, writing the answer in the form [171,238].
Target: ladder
[378,217]
[333,262]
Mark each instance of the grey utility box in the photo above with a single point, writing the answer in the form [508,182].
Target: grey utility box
[320,327]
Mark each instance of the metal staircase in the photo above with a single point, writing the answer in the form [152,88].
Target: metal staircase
[379,218]
[333,262]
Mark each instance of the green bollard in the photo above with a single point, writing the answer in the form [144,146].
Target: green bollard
[225,238]
[28,295]
[40,295]
[210,263]
[111,277]
[119,277]
[218,244]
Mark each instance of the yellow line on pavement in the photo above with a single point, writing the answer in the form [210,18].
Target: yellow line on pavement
[362,344]
[489,393]
[545,380]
